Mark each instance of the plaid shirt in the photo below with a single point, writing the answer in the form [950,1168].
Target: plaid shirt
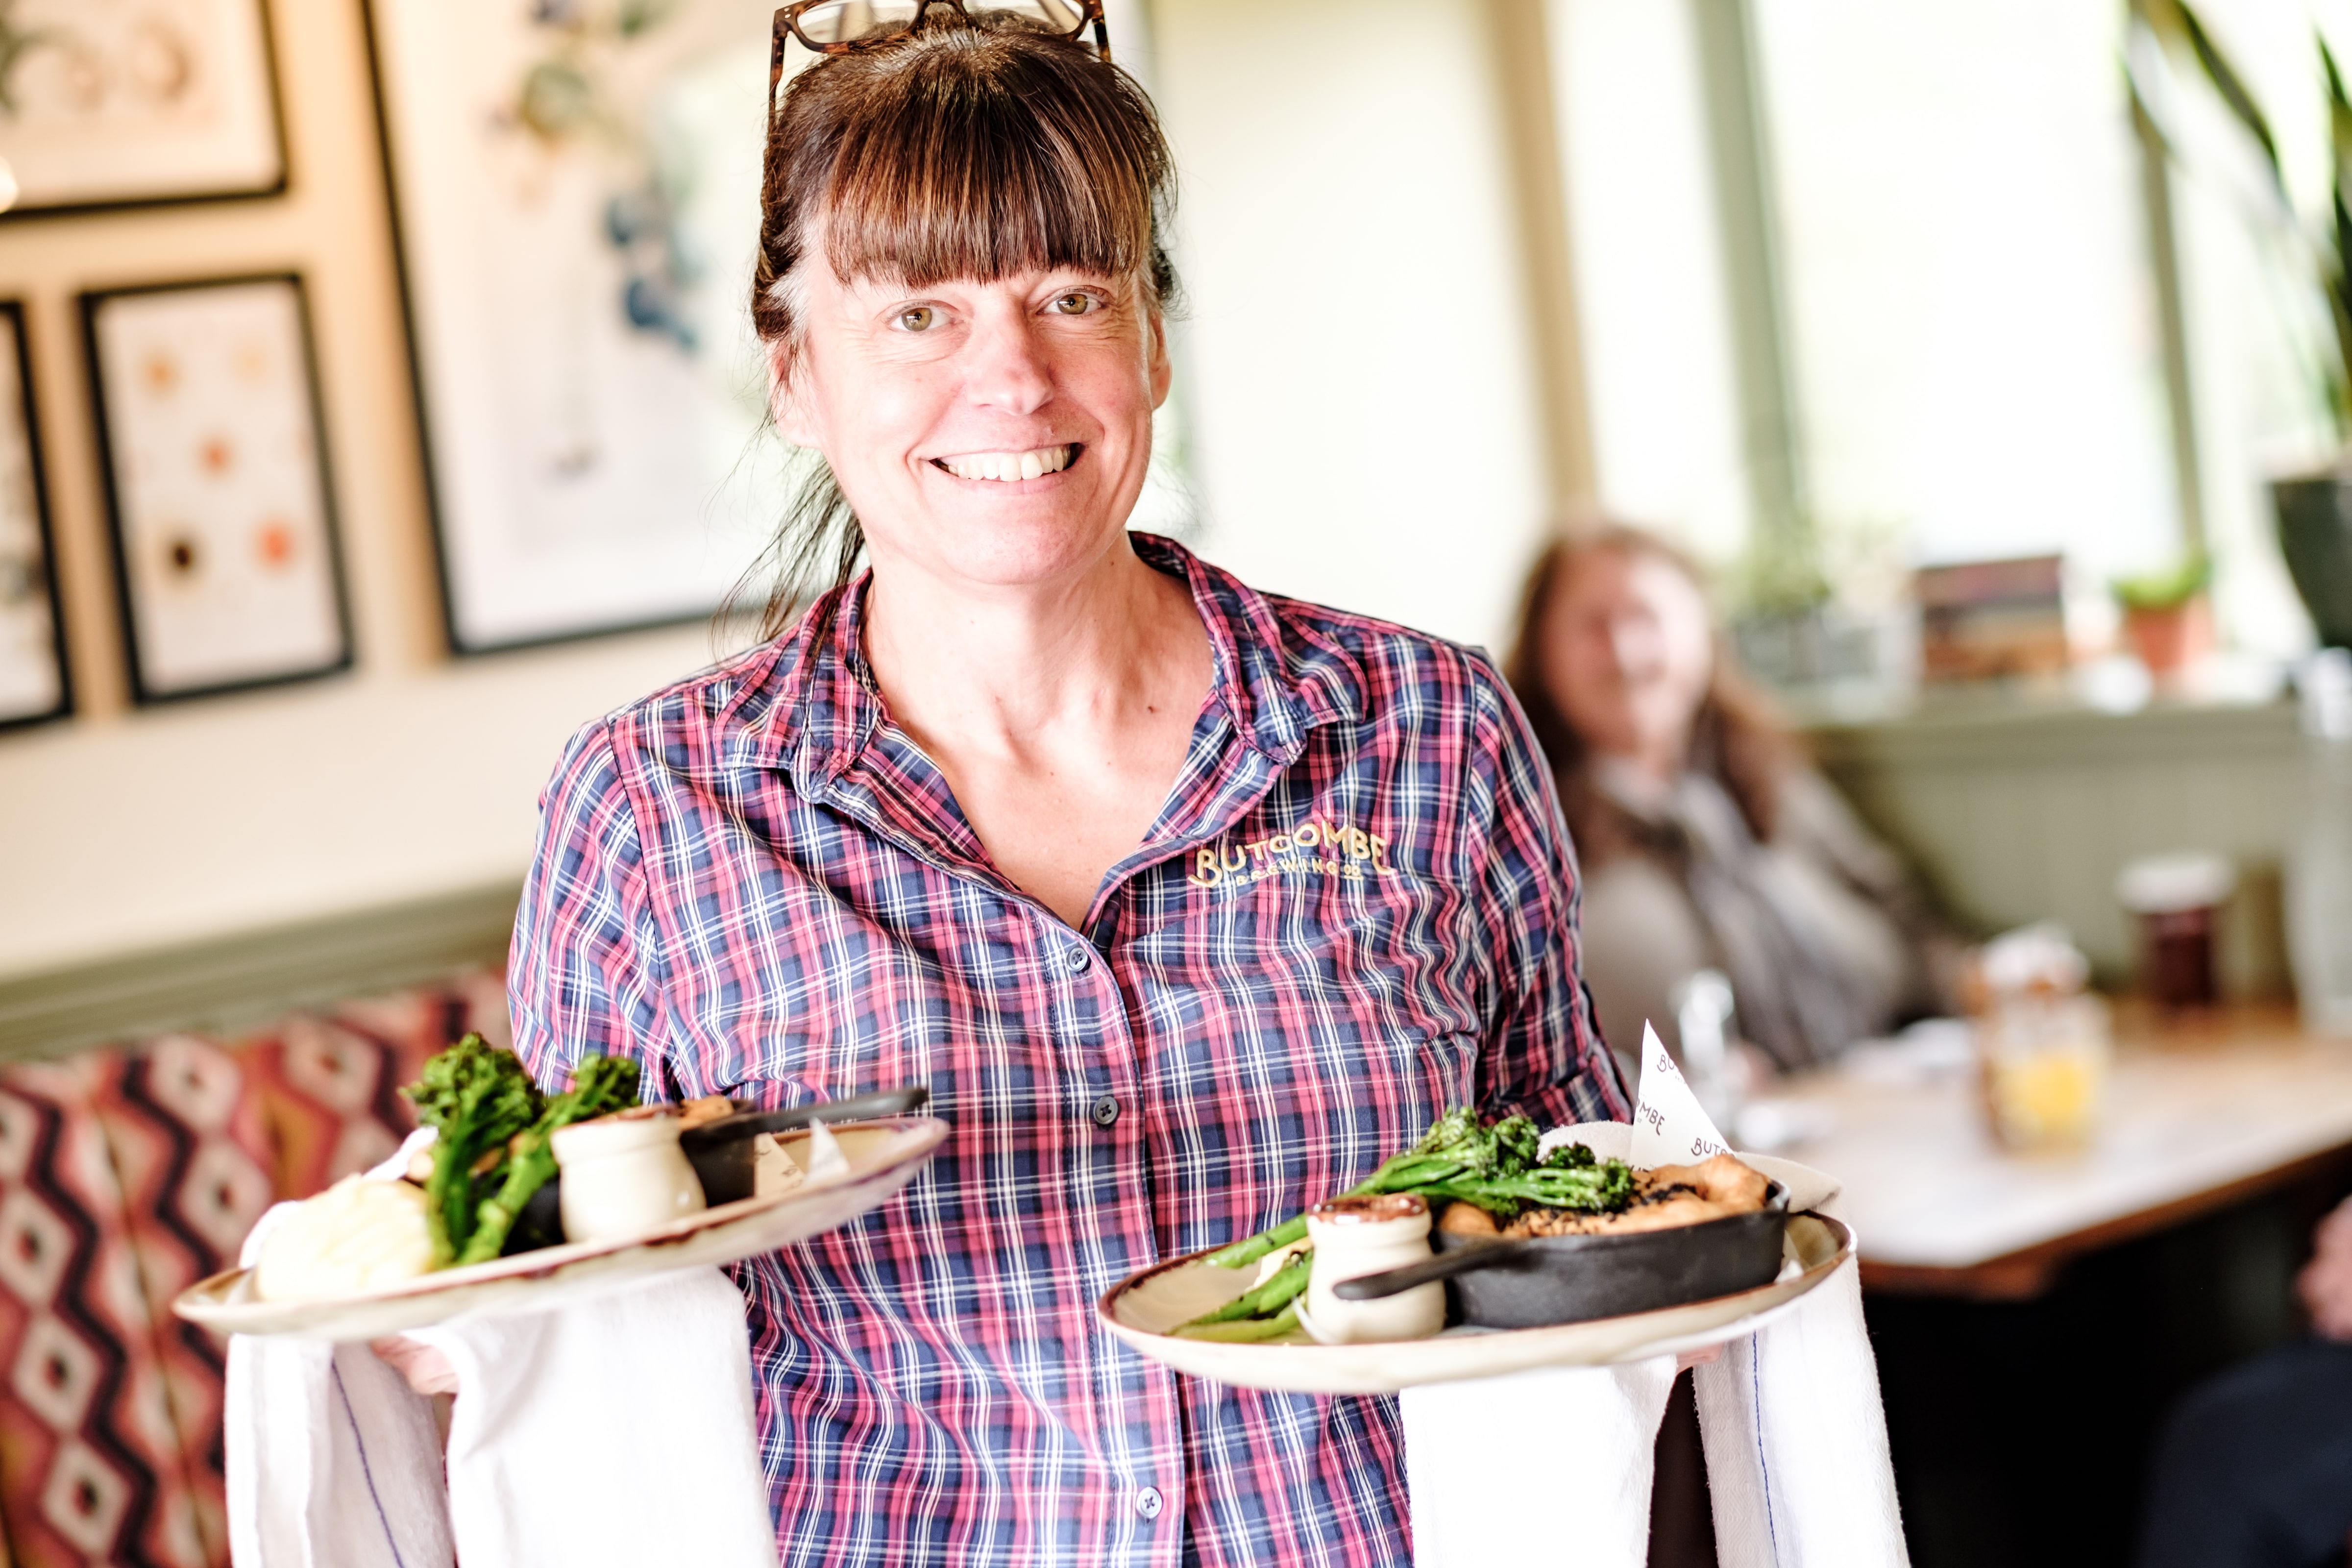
[1356,908]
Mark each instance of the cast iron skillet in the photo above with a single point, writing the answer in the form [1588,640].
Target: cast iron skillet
[1537,1281]
[721,1153]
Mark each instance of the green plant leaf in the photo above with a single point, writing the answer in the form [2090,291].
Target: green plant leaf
[2165,590]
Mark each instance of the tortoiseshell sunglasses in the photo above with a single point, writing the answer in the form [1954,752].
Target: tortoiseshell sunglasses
[837,26]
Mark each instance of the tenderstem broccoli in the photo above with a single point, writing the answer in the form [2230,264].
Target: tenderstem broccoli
[600,1086]
[1497,1168]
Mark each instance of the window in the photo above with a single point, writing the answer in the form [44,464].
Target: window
[1891,266]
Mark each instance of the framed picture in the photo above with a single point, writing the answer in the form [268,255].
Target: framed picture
[216,485]
[576,188]
[124,102]
[33,683]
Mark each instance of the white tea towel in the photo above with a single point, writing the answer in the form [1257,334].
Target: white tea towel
[333,1461]
[1797,1464]
[617,1430]
[614,1430]
[1494,1476]
[1796,1454]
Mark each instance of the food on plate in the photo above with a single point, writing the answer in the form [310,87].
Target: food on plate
[491,1150]
[1664,1197]
[600,1087]
[358,1234]
[1497,1168]
[1492,1181]
[1267,1311]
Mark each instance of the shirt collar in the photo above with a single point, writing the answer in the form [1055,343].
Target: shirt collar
[816,705]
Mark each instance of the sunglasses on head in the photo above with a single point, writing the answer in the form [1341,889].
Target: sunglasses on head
[838,27]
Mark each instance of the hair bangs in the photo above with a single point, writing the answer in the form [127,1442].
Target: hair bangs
[965,166]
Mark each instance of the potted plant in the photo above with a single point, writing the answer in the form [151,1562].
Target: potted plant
[2168,618]
[2314,511]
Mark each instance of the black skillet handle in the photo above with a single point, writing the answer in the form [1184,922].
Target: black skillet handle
[1445,1265]
[906,1100]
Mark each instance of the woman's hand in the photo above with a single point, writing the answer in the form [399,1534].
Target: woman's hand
[427,1370]
[2325,1282]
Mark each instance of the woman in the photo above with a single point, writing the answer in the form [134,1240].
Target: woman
[1189,903]
[1705,841]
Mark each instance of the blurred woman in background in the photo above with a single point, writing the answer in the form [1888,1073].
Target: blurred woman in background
[1705,840]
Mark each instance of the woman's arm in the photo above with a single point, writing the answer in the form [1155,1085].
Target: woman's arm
[583,976]
[1542,1056]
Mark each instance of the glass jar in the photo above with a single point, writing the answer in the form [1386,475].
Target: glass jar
[2045,1067]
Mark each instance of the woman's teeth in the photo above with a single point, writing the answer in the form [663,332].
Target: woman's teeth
[1010,468]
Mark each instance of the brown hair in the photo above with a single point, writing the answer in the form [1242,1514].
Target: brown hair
[1737,735]
[973,147]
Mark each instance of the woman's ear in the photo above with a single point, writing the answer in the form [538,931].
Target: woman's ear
[1162,373]
[788,395]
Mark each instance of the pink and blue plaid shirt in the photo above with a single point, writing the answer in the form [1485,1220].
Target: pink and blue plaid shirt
[1356,909]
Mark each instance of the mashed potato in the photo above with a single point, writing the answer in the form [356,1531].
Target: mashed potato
[359,1235]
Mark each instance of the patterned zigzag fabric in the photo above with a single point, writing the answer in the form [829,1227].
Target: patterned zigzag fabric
[127,1174]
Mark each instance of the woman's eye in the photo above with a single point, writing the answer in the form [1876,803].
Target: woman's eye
[918,319]
[1074,304]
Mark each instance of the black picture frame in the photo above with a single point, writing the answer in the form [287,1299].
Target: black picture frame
[145,690]
[271,86]
[13,311]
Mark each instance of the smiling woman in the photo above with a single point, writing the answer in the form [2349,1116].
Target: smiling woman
[954,823]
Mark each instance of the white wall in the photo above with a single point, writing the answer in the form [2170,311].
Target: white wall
[124,829]
[1362,405]
[1357,358]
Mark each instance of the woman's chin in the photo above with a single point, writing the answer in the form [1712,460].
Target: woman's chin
[1000,546]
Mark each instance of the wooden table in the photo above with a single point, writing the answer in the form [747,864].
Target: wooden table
[2199,1116]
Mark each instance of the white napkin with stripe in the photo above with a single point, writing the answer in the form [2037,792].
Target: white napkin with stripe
[615,1430]
[1798,1470]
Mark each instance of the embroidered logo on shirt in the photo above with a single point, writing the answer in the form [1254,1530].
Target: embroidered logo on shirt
[1328,848]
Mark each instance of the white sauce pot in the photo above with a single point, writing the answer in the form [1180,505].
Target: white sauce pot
[1360,1236]
[623,1175]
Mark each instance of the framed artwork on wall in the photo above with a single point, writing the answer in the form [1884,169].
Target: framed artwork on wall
[125,102]
[576,190]
[33,681]
[216,485]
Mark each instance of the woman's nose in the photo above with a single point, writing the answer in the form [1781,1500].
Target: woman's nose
[1007,369]
[1634,642]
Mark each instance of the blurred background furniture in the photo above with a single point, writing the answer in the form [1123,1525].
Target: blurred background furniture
[130,1172]
[2035,1314]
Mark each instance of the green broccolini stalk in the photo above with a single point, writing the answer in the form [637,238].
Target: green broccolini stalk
[1276,1292]
[475,1097]
[1497,1168]
[600,1086]
[1245,1331]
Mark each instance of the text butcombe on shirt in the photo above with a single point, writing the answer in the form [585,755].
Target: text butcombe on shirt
[1356,909]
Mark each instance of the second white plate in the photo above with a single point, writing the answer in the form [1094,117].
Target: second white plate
[884,1156]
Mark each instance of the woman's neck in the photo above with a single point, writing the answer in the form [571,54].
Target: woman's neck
[996,665]
[1647,767]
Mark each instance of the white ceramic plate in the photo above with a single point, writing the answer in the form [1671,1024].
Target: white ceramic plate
[1142,1309]
[883,1155]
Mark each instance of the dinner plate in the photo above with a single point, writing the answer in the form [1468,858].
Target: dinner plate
[883,1156]
[1142,1309]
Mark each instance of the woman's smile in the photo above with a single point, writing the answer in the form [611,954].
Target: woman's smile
[1011,468]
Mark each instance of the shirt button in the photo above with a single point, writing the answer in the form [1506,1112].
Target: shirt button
[1148,1502]
[1077,958]
[1106,1112]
